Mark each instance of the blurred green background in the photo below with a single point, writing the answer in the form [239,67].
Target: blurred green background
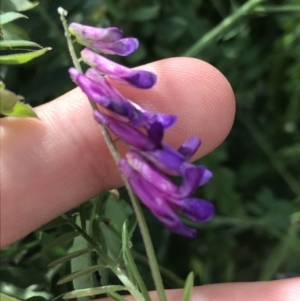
[256,186]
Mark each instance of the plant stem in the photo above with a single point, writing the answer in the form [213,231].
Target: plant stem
[117,271]
[277,8]
[63,13]
[221,28]
[148,244]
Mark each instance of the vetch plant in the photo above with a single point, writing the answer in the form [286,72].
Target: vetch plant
[150,158]
[149,162]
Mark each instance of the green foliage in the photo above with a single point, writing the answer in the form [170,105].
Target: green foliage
[256,232]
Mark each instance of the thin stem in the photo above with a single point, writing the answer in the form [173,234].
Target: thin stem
[117,271]
[221,28]
[148,244]
[63,13]
[277,8]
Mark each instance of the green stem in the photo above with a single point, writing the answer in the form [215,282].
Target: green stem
[277,8]
[63,13]
[148,244]
[116,270]
[221,28]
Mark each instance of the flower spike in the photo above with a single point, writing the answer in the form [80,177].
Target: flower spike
[149,162]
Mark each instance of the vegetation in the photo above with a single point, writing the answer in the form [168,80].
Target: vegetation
[256,185]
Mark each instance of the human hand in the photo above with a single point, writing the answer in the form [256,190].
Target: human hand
[51,165]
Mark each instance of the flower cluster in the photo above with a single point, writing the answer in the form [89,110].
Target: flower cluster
[149,162]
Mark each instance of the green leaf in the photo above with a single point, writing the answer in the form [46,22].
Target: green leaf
[81,262]
[115,295]
[59,221]
[132,226]
[69,257]
[17,43]
[4,297]
[21,58]
[59,240]
[22,5]
[80,273]
[9,17]
[8,100]
[143,14]
[93,291]
[20,110]
[188,287]
[11,31]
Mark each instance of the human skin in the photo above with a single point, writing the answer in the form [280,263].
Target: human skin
[53,164]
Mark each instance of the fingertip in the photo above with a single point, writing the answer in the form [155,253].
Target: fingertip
[195,91]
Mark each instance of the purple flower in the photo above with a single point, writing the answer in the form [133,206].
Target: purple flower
[106,40]
[145,117]
[189,147]
[131,135]
[104,94]
[162,205]
[193,176]
[100,91]
[120,74]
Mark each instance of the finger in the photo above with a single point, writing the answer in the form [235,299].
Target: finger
[50,165]
[278,290]
[287,290]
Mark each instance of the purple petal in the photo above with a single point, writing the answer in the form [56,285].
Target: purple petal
[110,90]
[191,178]
[207,175]
[150,173]
[189,147]
[102,92]
[110,34]
[149,118]
[120,74]
[156,132]
[166,120]
[125,132]
[121,47]
[197,210]
[166,159]
[93,90]
[154,200]
[74,73]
